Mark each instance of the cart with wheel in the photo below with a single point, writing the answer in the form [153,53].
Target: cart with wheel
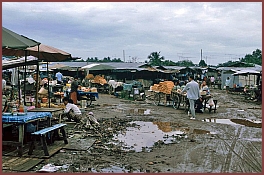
[180,100]
[161,98]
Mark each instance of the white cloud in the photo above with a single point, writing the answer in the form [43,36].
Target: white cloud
[89,29]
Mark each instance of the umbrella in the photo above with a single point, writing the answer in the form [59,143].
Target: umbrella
[46,53]
[97,67]
[13,40]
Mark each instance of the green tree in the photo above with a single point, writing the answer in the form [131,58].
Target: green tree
[155,59]
[169,63]
[184,63]
[255,57]
[202,63]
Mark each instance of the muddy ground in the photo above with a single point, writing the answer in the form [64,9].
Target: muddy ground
[165,139]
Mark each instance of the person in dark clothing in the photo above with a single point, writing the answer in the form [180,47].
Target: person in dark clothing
[74,87]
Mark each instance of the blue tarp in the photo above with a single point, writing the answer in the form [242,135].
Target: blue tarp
[25,118]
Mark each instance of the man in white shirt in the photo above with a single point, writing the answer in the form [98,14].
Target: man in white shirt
[193,94]
[73,112]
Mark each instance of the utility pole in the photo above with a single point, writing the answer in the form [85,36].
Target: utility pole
[124,56]
[201,54]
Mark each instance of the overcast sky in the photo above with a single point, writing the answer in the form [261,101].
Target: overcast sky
[179,31]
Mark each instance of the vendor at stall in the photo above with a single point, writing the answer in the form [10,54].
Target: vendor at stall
[74,88]
[205,88]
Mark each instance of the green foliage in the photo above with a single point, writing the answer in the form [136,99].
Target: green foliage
[155,59]
[255,57]
[169,63]
[184,63]
[105,59]
[202,63]
[248,61]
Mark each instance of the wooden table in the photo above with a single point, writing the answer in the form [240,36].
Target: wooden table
[54,111]
[45,110]
[22,121]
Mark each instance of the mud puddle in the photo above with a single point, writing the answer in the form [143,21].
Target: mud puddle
[114,169]
[239,122]
[131,111]
[142,136]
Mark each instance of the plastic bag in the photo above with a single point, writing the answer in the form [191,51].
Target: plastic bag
[211,102]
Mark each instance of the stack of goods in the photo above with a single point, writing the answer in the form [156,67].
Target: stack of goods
[43,93]
[52,105]
[155,87]
[100,80]
[164,87]
[85,89]
[93,89]
[89,76]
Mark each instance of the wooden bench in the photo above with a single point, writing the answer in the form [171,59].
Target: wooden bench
[42,134]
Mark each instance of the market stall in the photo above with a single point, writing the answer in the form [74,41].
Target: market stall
[21,120]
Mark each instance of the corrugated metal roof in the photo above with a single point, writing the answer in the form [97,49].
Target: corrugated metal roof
[117,65]
[7,64]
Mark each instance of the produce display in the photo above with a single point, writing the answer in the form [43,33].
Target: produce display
[100,80]
[46,105]
[89,76]
[165,87]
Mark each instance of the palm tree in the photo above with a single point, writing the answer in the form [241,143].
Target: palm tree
[155,59]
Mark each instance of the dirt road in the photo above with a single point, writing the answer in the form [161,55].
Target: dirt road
[137,136]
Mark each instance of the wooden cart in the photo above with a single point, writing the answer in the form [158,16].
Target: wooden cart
[174,98]
[180,100]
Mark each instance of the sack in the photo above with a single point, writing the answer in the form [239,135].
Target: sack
[211,102]
[43,91]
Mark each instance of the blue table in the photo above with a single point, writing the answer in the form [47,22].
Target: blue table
[22,121]
[30,116]
[88,93]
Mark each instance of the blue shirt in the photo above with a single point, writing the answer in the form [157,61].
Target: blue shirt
[58,76]
[193,91]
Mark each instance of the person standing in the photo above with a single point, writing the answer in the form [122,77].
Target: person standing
[212,81]
[227,84]
[193,94]
[74,87]
[59,77]
[3,84]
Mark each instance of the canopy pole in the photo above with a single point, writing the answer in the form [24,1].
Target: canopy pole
[19,87]
[37,81]
[25,71]
[48,83]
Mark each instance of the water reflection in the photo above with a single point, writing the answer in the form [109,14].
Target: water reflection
[242,122]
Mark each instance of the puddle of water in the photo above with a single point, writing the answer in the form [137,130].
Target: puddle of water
[116,169]
[241,122]
[129,111]
[144,135]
